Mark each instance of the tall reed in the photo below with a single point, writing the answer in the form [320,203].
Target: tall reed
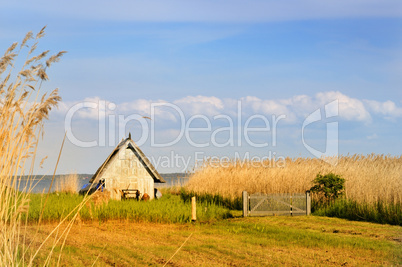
[23,110]
[68,184]
[369,178]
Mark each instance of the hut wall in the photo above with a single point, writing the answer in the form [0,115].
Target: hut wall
[125,171]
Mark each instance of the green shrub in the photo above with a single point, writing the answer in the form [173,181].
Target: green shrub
[328,187]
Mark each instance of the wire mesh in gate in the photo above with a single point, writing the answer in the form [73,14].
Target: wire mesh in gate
[278,204]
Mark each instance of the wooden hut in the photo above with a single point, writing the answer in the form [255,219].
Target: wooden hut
[127,172]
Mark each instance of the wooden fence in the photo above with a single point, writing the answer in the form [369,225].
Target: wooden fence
[276,204]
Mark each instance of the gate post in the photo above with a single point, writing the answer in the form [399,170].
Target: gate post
[308,203]
[245,204]
[193,210]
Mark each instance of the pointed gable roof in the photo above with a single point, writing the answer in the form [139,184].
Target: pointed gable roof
[129,144]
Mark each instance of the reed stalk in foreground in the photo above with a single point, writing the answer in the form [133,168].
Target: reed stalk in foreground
[23,110]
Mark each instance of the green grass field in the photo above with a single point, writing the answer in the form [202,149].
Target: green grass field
[130,233]
[169,209]
[174,209]
[267,241]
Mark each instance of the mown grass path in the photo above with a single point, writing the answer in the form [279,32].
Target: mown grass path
[235,242]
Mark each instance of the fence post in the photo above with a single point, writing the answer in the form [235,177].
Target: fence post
[308,203]
[193,210]
[245,204]
[291,205]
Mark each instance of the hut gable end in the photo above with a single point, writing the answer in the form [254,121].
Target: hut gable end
[127,168]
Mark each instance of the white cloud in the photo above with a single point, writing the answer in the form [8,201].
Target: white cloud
[98,109]
[351,109]
[300,106]
[192,105]
[387,108]
[268,107]
[142,106]
[296,108]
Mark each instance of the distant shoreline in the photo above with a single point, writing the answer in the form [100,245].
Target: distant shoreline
[86,175]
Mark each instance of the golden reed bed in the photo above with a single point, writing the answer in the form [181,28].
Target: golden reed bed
[369,178]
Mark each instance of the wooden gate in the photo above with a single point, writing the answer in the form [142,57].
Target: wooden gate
[276,204]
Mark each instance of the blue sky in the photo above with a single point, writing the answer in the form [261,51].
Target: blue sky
[275,58]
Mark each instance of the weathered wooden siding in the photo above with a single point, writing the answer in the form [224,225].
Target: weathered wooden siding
[125,171]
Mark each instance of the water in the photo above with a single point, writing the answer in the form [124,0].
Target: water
[40,185]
